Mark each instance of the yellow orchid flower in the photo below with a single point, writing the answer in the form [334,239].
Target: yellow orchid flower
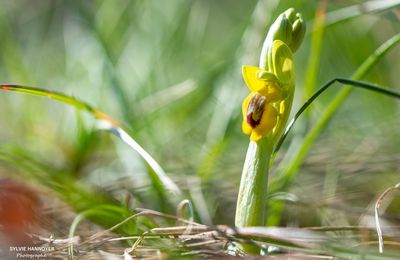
[268,89]
[259,115]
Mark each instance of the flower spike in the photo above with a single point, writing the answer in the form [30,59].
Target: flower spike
[265,113]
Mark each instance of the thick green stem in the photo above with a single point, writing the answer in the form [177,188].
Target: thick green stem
[251,210]
[284,37]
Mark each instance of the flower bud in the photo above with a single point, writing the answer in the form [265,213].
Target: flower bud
[290,14]
[289,28]
[298,32]
[281,29]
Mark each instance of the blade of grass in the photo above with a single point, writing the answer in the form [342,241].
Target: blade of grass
[287,175]
[346,82]
[377,205]
[72,229]
[160,176]
[107,124]
[93,213]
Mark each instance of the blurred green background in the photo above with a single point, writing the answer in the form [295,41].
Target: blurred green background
[170,73]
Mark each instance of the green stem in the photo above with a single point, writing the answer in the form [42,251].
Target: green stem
[252,197]
[250,210]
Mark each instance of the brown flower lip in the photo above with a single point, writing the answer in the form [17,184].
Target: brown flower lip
[255,110]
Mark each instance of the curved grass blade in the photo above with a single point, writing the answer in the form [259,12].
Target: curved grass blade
[286,175]
[377,205]
[72,229]
[57,96]
[353,83]
[155,167]
[100,210]
[107,123]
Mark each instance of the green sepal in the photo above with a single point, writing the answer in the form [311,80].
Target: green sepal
[282,62]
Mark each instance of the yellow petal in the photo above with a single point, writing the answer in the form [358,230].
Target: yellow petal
[255,137]
[250,76]
[246,128]
[267,123]
[245,105]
